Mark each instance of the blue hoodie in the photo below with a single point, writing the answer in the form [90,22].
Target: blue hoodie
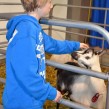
[26,87]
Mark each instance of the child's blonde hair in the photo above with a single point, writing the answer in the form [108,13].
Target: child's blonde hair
[31,5]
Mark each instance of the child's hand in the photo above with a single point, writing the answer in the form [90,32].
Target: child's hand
[58,96]
[83,45]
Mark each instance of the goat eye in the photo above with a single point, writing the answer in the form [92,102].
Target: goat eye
[87,57]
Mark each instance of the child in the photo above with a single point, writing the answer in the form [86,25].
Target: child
[26,87]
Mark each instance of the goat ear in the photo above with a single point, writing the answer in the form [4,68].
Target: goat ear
[101,52]
[74,55]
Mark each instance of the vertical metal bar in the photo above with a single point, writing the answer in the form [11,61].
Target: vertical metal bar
[107,97]
[50,26]
[105,17]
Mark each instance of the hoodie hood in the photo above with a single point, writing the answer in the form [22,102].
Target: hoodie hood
[13,22]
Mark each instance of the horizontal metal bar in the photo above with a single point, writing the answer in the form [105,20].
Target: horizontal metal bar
[83,7]
[5,42]
[2,51]
[3,29]
[73,104]
[2,80]
[3,19]
[2,34]
[81,25]
[5,3]
[9,15]
[3,46]
[100,24]
[84,35]
[2,57]
[77,69]
[1,107]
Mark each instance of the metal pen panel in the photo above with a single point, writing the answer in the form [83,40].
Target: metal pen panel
[77,69]
[81,25]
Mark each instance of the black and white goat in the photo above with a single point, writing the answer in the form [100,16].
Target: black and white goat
[86,90]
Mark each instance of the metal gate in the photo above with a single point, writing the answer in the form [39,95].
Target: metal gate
[64,23]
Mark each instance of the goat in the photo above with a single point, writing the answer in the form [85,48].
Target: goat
[86,90]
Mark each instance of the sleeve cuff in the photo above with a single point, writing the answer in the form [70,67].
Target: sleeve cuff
[77,46]
[52,94]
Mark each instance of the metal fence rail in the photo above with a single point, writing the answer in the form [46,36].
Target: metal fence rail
[81,25]
[89,8]
[70,24]
[83,72]
[6,3]
[84,25]
[72,104]
[7,16]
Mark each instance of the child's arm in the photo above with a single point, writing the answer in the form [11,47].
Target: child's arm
[61,47]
